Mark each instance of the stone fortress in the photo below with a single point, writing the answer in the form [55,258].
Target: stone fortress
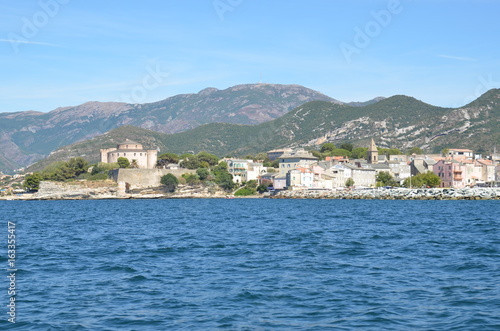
[145,159]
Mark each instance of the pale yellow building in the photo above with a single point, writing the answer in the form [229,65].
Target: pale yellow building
[145,159]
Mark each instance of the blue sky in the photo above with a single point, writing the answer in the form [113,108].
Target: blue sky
[66,52]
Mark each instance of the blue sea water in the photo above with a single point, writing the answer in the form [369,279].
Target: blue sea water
[253,264]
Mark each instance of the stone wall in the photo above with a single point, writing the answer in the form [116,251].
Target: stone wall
[144,178]
[396,194]
[64,191]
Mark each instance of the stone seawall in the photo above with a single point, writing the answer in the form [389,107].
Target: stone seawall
[144,178]
[395,194]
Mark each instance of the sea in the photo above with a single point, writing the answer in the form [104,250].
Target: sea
[250,264]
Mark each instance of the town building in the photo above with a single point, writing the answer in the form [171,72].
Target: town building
[276,153]
[133,151]
[372,153]
[292,160]
[244,170]
[461,153]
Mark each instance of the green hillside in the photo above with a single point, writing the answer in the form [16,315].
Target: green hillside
[397,122]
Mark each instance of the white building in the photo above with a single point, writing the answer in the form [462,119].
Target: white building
[245,170]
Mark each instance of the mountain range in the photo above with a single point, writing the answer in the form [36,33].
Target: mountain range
[396,122]
[28,136]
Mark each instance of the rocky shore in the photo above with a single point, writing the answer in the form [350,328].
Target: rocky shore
[396,194]
[111,190]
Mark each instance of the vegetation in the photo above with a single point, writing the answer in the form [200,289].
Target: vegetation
[428,179]
[300,126]
[191,179]
[415,150]
[32,182]
[167,158]
[384,178]
[222,177]
[123,162]
[389,151]
[250,188]
[62,171]
[347,146]
[349,182]
[359,153]
[203,173]
[327,147]
[170,181]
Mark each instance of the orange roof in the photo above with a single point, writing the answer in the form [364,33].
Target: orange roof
[486,162]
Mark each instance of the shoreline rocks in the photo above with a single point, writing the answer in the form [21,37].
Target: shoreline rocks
[396,194]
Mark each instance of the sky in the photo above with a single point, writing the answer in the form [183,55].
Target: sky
[57,53]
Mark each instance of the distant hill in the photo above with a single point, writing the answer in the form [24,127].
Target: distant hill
[365,103]
[26,137]
[399,122]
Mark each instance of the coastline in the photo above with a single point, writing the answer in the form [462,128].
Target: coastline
[396,194]
[72,192]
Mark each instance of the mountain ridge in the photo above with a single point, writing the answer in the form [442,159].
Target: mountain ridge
[397,122]
[29,136]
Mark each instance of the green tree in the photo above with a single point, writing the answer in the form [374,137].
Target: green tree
[317,154]
[170,182]
[262,188]
[203,173]
[347,146]
[341,152]
[327,147]
[389,151]
[261,157]
[191,179]
[190,162]
[415,150]
[103,168]
[79,165]
[222,177]
[359,153]
[32,182]
[211,159]
[167,158]
[123,162]
[349,182]
[429,179]
[445,151]
[384,178]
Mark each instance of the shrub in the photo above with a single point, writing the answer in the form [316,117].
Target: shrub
[244,192]
[170,182]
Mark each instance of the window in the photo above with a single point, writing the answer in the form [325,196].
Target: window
[134,154]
